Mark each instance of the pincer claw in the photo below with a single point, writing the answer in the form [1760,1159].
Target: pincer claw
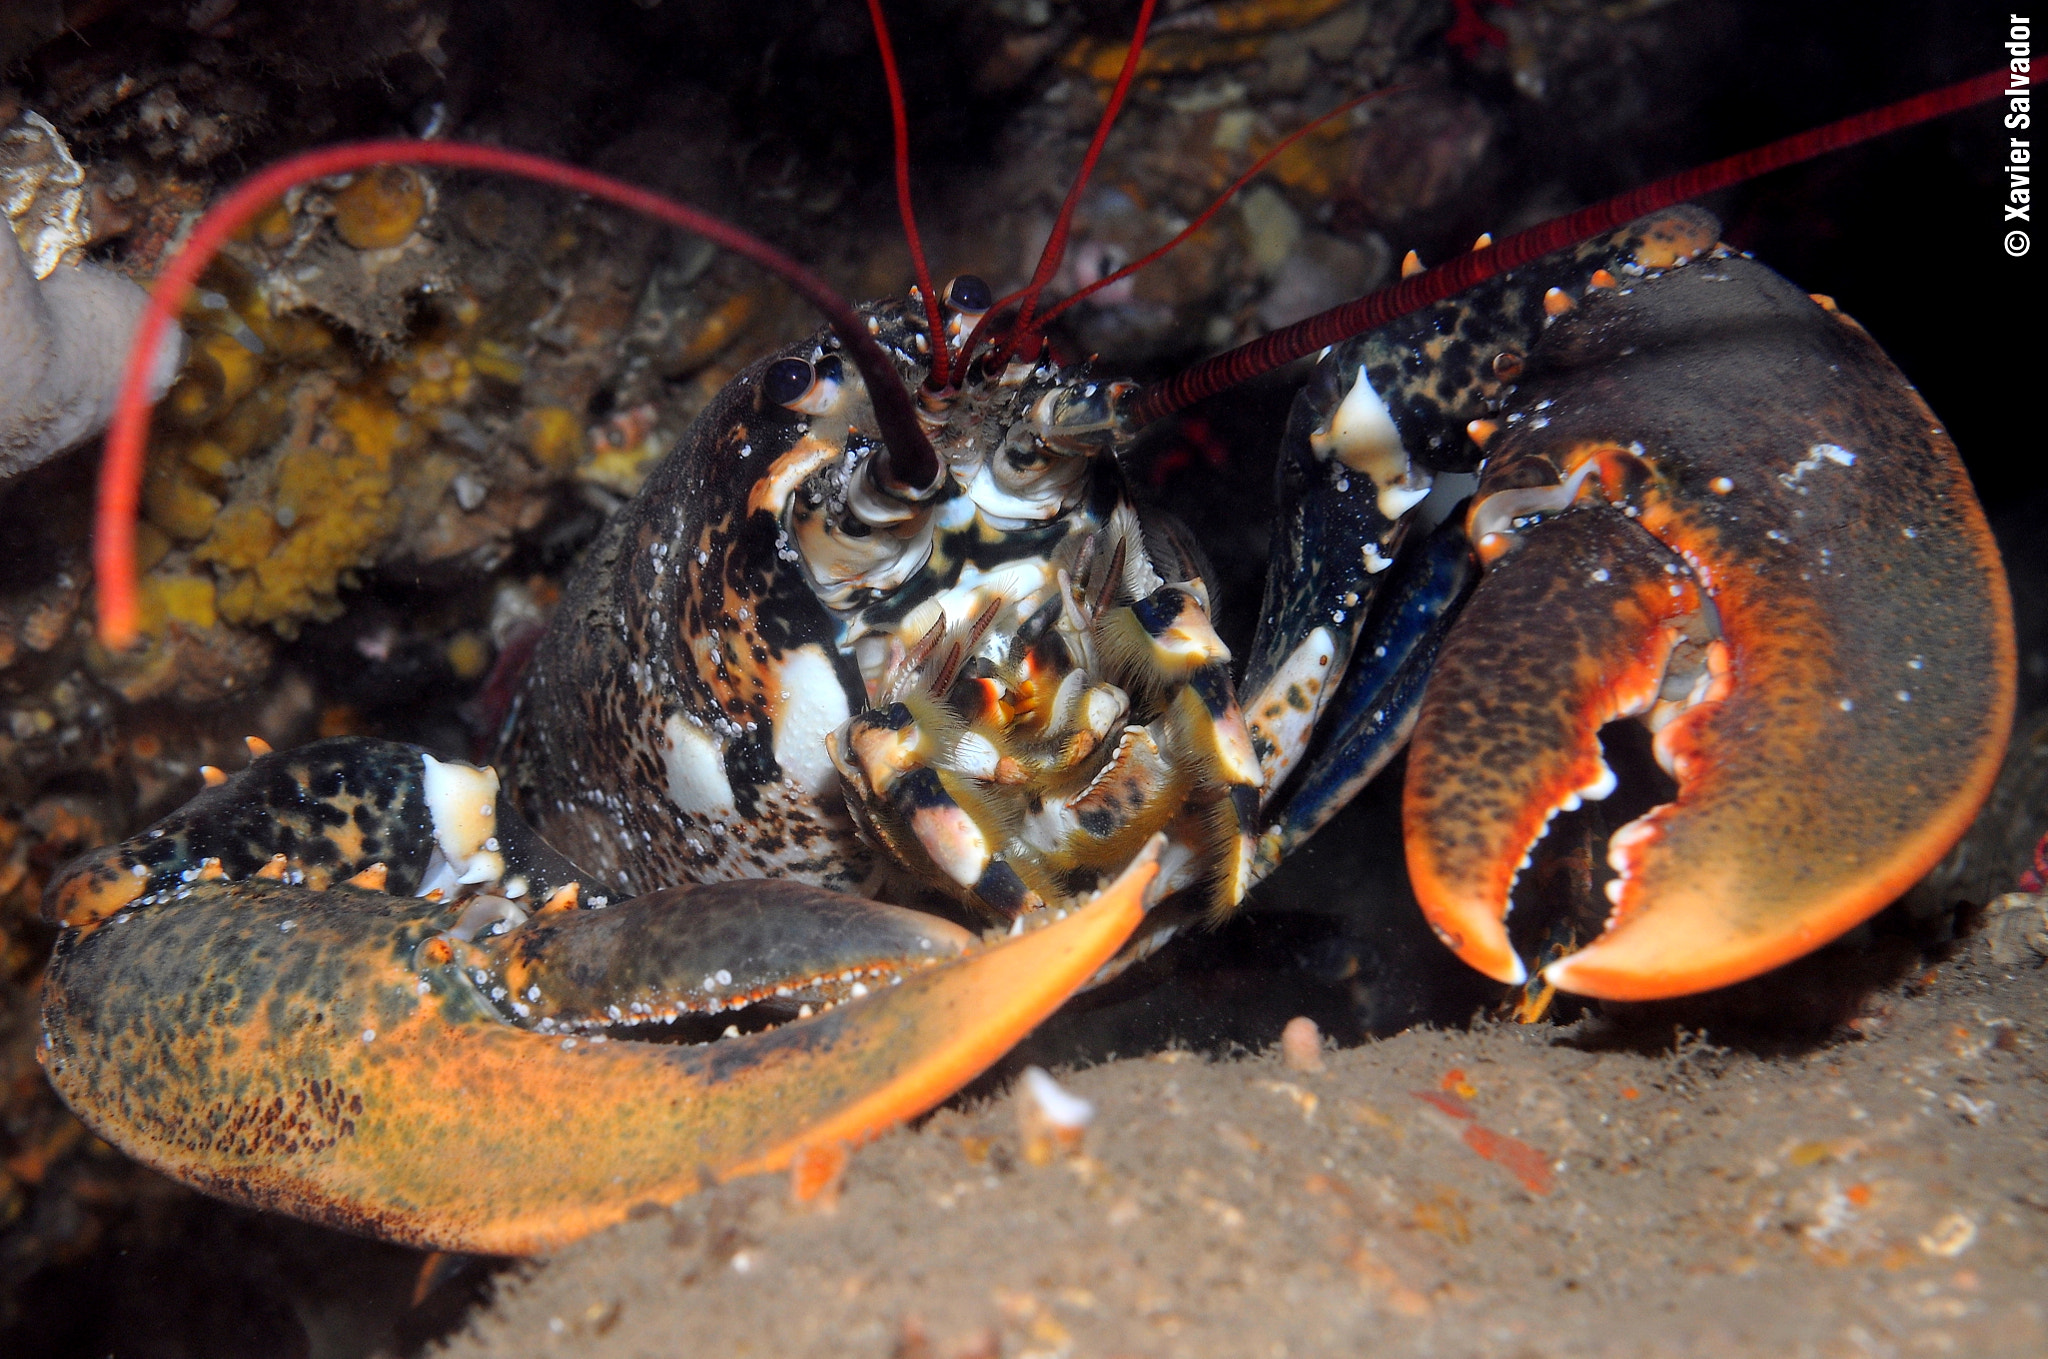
[1781,569]
[351,1057]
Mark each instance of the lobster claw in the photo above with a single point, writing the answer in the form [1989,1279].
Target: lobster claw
[450,1073]
[1713,505]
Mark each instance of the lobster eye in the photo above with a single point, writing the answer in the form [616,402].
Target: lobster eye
[970,294]
[786,381]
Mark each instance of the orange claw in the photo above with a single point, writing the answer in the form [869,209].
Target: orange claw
[1572,632]
[1854,661]
[326,1061]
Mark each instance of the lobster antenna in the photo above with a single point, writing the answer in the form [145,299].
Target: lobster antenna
[1223,198]
[1001,304]
[1283,346]
[941,366]
[912,470]
[1056,244]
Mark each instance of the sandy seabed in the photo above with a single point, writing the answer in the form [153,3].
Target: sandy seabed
[1506,1191]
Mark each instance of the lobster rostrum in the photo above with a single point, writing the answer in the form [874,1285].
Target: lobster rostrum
[890,623]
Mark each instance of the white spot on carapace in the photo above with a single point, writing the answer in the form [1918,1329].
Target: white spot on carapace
[813,706]
[1361,435]
[1847,705]
[695,763]
[1816,457]
[462,801]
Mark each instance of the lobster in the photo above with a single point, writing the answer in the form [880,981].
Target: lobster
[890,620]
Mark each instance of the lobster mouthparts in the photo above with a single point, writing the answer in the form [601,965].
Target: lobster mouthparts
[1716,506]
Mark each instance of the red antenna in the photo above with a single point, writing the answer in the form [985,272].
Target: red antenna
[912,470]
[1221,199]
[1056,244]
[1284,346]
[941,369]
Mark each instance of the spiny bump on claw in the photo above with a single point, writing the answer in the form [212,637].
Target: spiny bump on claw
[1824,302]
[1482,431]
[258,747]
[1673,237]
[565,898]
[371,879]
[1556,302]
[274,870]
[1602,279]
[212,777]
[1485,240]
[1411,265]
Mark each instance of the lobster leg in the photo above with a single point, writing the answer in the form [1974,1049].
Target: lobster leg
[1716,503]
[1347,485]
[1373,711]
[349,1057]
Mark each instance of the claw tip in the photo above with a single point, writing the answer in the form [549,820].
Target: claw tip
[1559,975]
